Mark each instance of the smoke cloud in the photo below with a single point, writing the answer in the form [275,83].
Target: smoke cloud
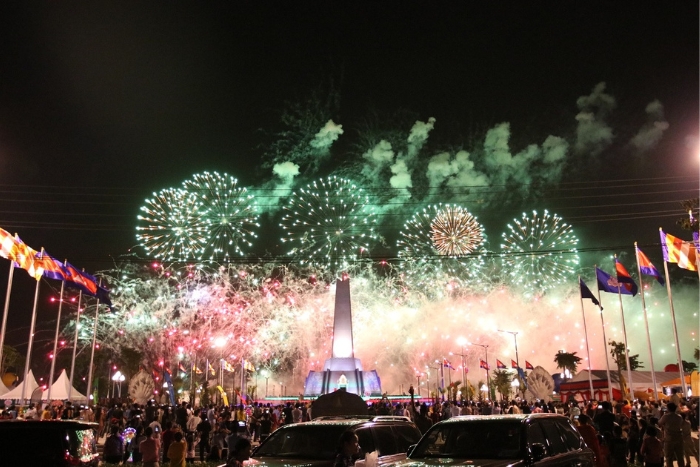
[418,137]
[650,134]
[326,136]
[593,134]
[377,159]
[281,186]
[457,173]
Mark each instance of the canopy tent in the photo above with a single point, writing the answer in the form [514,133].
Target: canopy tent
[60,389]
[31,386]
[579,387]
[3,389]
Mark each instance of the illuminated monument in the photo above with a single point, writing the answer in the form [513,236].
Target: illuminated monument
[343,370]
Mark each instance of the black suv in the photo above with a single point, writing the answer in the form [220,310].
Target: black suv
[48,443]
[315,443]
[542,440]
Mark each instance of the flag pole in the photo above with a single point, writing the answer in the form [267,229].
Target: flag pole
[31,340]
[624,334]
[675,331]
[92,352]
[55,339]
[605,339]
[6,309]
[588,347]
[646,323]
[75,346]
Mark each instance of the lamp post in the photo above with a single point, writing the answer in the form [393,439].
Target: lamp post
[266,375]
[515,384]
[486,359]
[462,342]
[418,377]
[517,360]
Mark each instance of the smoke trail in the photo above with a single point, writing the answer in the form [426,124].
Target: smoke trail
[593,134]
[418,137]
[555,150]
[281,187]
[457,173]
[650,134]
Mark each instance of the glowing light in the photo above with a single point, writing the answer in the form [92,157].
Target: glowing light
[455,231]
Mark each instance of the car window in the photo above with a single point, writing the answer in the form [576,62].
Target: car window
[406,436]
[535,435]
[571,436]
[365,440]
[476,439]
[384,440]
[20,447]
[303,442]
[554,436]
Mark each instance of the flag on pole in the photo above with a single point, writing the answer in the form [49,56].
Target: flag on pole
[586,292]
[196,369]
[228,366]
[47,266]
[624,278]
[500,365]
[248,365]
[528,365]
[608,283]
[483,364]
[647,268]
[80,279]
[513,364]
[447,363]
[8,245]
[676,250]
[211,370]
[24,257]
[182,369]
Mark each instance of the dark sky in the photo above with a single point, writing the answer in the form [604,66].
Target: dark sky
[103,103]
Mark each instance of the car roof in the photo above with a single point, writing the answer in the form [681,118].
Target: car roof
[518,417]
[79,424]
[352,421]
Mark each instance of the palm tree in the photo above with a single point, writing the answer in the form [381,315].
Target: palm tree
[567,361]
[501,381]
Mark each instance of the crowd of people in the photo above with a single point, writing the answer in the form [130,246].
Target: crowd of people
[642,432]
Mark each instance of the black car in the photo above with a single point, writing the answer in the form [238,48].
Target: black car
[542,440]
[48,443]
[315,443]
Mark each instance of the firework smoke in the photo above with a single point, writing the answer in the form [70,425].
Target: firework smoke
[650,134]
[593,134]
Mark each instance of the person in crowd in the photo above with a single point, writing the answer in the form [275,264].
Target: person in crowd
[590,436]
[177,451]
[689,445]
[149,449]
[204,429]
[240,452]
[672,424]
[136,445]
[652,450]
[265,426]
[113,447]
[348,450]
[192,441]
[617,447]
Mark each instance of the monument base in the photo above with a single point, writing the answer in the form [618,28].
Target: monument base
[355,381]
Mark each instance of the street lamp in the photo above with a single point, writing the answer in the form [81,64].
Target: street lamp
[266,375]
[515,338]
[118,377]
[461,342]
[515,384]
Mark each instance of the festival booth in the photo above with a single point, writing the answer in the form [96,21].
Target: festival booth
[16,393]
[579,386]
[60,390]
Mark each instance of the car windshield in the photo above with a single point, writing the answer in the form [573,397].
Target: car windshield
[302,442]
[474,439]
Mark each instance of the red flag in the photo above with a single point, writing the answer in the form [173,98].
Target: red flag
[447,363]
[513,364]
[500,365]
[483,364]
[528,365]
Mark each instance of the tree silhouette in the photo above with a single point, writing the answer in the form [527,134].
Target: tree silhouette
[567,361]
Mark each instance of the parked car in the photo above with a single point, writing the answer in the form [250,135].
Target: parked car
[542,440]
[48,442]
[315,443]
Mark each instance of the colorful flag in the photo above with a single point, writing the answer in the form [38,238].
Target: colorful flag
[211,370]
[624,278]
[8,246]
[197,370]
[513,364]
[181,367]
[500,365]
[228,366]
[608,283]
[528,365]
[24,256]
[586,292]
[647,268]
[80,279]
[678,251]
[483,364]
[48,266]
[247,365]
[447,363]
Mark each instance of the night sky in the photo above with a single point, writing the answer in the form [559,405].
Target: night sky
[103,103]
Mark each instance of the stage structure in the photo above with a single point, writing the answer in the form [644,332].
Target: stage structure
[343,370]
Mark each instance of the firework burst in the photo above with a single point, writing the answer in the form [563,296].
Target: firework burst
[173,226]
[229,213]
[539,251]
[329,223]
[428,245]
[455,232]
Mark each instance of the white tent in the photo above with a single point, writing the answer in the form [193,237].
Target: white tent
[3,389]
[60,389]
[16,393]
